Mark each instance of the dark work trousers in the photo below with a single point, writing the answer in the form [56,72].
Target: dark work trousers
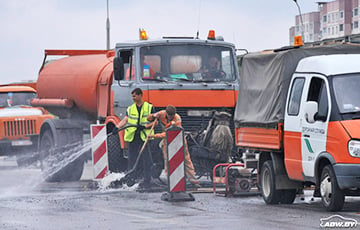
[145,161]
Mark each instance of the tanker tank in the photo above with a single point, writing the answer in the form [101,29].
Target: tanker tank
[74,85]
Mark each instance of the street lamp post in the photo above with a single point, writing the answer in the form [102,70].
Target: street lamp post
[107,26]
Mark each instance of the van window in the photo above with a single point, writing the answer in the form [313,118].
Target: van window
[295,96]
[318,93]
[347,93]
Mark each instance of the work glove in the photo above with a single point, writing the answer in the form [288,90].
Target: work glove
[141,127]
[115,130]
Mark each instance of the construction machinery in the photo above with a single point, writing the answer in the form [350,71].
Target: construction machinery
[86,87]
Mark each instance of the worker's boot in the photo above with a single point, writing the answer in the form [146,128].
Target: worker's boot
[194,182]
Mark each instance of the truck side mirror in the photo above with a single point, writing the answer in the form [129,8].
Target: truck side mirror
[311,109]
[118,68]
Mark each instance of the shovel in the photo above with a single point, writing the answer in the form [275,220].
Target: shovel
[128,179]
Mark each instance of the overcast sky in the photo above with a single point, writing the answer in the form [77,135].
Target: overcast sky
[28,27]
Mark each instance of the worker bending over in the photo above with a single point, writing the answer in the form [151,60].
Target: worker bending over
[168,118]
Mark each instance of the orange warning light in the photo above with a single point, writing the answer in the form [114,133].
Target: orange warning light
[298,41]
[211,35]
[143,35]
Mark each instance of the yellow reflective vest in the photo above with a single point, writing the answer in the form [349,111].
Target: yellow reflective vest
[133,117]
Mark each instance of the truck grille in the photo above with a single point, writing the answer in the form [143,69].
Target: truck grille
[195,124]
[19,128]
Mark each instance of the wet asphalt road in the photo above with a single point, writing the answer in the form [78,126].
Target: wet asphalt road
[26,202]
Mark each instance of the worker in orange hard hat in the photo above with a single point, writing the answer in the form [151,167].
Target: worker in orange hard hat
[168,118]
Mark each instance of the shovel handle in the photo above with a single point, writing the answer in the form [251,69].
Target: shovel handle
[147,139]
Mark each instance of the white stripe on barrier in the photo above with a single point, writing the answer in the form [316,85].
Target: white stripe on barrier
[176,176]
[175,145]
[99,139]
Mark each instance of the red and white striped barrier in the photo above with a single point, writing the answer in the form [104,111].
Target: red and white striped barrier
[99,150]
[176,170]
[176,166]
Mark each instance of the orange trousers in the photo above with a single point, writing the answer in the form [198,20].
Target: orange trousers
[189,167]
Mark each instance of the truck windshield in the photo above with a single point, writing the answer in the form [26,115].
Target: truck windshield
[187,63]
[347,93]
[9,99]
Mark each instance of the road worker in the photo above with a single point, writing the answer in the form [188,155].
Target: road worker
[136,114]
[168,118]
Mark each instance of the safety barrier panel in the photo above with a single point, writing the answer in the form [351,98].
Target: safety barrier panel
[176,166]
[99,151]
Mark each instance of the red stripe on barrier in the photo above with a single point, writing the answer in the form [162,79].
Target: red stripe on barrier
[102,173]
[171,135]
[99,152]
[176,160]
[96,130]
[180,187]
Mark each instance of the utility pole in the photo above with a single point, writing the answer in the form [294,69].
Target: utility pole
[107,26]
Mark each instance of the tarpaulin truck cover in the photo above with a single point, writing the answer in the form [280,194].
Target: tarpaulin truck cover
[265,79]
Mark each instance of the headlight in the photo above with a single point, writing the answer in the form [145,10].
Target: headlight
[354,148]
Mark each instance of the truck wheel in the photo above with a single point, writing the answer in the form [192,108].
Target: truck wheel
[267,183]
[332,196]
[27,156]
[117,162]
[69,172]
[288,196]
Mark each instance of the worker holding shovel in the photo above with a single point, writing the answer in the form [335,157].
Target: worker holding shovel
[136,134]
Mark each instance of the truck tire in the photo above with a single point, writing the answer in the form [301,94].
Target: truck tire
[117,161]
[267,184]
[332,196]
[70,172]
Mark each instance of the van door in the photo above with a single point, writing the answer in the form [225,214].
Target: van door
[314,134]
[292,128]
[303,140]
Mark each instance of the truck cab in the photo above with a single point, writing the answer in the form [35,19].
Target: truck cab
[321,125]
[20,122]
[197,76]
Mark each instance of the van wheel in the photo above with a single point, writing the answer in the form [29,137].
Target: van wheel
[332,196]
[267,183]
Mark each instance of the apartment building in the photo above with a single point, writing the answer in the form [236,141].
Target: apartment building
[334,19]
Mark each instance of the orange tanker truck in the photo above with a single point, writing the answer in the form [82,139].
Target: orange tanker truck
[94,86]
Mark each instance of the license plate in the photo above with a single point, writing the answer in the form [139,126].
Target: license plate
[21,142]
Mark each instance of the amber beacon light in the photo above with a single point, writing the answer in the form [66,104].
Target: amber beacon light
[298,41]
[143,35]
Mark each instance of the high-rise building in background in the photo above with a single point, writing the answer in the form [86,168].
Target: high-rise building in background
[334,20]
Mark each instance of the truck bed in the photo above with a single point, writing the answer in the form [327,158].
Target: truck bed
[260,137]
